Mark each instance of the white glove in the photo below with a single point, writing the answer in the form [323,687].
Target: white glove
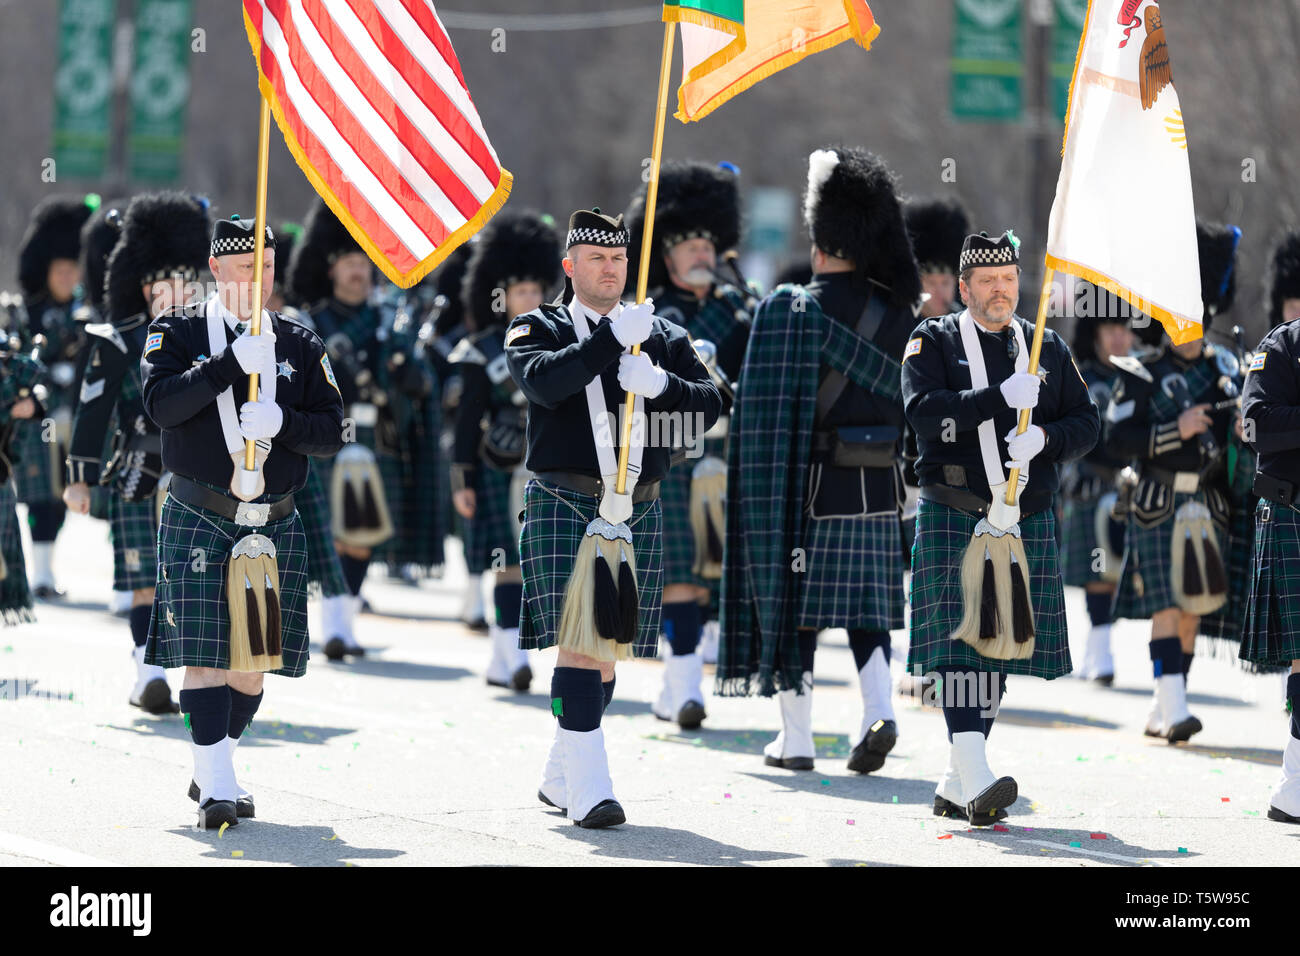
[255,353]
[1021,390]
[1021,448]
[632,327]
[639,375]
[260,420]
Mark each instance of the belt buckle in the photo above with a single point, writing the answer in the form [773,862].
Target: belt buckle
[1186,482]
[250,515]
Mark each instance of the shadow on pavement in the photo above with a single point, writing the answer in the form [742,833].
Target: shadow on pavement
[664,844]
[1038,842]
[829,746]
[1210,700]
[1050,718]
[540,699]
[261,734]
[377,667]
[264,842]
[878,787]
[1267,758]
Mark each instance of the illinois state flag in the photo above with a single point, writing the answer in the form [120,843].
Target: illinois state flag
[729,45]
[1123,215]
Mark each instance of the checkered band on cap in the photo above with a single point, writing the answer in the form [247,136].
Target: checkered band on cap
[231,237]
[678,238]
[590,236]
[982,251]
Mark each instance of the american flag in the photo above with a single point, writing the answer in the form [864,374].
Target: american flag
[372,103]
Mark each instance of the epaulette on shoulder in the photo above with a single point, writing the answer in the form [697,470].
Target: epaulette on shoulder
[466,353]
[107,331]
[1134,367]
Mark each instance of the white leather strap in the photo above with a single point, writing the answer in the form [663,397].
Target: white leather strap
[979,378]
[216,316]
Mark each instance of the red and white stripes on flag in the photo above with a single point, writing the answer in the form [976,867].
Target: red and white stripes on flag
[371,100]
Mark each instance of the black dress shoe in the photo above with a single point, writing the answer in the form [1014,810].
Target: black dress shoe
[1281,816]
[522,679]
[1183,730]
[869,754]
[691,715]
[46,592]
[243,805]
[607,813]
[335,649]
[547,800]
[213,813]
[1001,793]
[156,698]
[944,807]
[789,763]
[479,625]
[1105,680]
[355,650]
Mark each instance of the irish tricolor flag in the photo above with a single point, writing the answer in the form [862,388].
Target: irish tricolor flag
[729,45]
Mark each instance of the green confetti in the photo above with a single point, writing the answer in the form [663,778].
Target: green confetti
[895,799]
[1182,849]
[826,783]
[1076,844]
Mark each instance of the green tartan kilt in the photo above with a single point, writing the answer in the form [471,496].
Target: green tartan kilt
[1271,636]
[942,535]
[1228,622]
[193,548]
[679,537]
[853,575]
[1145,578]
[1078,542]
[555,522]
[15,597]
[491,528]
[133,529]
[323,568]
[34,470]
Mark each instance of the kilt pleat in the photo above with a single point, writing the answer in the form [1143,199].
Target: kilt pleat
[190,626]
[1271,636]
[323,568]
[942,534]
[555,521]
[133,529]
[492,527]
[34,471]
[1078,540]
[854,573]
[679,537]
[1148,558]
[15,596]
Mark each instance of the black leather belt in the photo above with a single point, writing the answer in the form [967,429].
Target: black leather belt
[963,499]
[595,487]
[248,514]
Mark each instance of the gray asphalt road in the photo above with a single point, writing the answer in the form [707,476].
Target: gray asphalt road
[407,757]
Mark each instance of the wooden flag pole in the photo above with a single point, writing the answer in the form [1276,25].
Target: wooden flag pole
[259,257]
[647,234]
[1040,325]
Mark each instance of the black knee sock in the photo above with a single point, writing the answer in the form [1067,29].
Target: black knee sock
[864,643]
[45,518]
[807,648]
[682,623]
[1188,656]
[508,598]
[1099,603]
[1166,656]
[207,713]
[140,623]
[966,696]
[577,697]
[608,688]
[354,572]
[242,708]
[1293,703]
[999,687]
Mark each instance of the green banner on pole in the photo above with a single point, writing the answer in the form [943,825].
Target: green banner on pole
[160,89]
[1070,16]
[83,88]
[987,60]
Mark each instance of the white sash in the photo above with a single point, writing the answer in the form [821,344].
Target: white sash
[216,313]
[614,508]
[979,378]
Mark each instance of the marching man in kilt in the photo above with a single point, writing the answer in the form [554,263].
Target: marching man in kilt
[815,488]
[1092,540]
[570,362]
[512,269]
[196,364]
[21,392]
[1171,414]
[49,273]
[1271,416]
[153,268]
[965,380]
[697,219]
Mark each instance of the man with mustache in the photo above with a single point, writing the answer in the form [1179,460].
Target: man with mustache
[697,217]
[965,382]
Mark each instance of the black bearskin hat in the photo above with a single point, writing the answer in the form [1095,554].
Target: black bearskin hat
[937,228]
[853,212]
[1093,308]
[98,237]
[447,283]
[286,240]
[798,273]
[695,200]
[162,234]
[1216,247]
[1283,275]
[53,233]
[323,240]
[515,247]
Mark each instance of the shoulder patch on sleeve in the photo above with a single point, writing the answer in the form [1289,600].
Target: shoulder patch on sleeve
[518,332]
[153,343]
[913,348]
[329,371]
[1257,363]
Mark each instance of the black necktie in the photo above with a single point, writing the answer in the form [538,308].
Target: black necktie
[239,328]
[1013,348]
